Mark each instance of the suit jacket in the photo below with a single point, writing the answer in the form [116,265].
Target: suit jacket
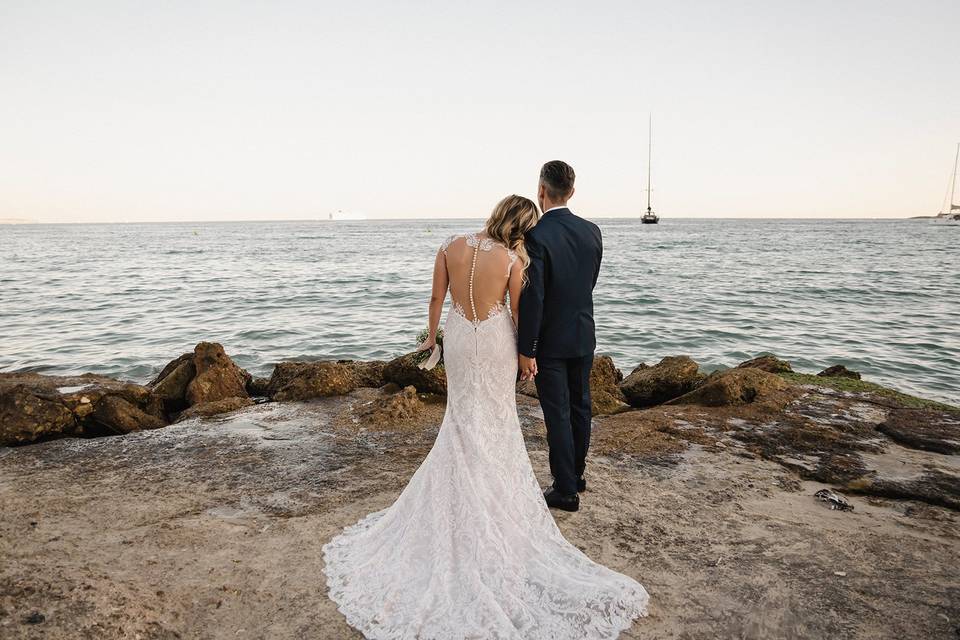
[556,306]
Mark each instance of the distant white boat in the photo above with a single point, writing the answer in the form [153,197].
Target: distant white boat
[950,210]
[340,214]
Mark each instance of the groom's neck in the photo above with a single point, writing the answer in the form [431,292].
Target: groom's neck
[547,205]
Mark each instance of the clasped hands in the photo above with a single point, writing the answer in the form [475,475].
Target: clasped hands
[528,367]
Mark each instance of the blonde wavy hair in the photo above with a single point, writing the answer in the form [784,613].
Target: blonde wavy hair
[511,219]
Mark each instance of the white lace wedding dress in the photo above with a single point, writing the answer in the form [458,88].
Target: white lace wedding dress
[470,549]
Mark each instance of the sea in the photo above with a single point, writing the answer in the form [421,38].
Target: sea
[881,297]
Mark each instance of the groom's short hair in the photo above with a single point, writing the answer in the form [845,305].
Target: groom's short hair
[557,176]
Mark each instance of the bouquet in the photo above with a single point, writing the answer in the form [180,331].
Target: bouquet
[429,358]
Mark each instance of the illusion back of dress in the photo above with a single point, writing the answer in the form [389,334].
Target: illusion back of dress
[478,269]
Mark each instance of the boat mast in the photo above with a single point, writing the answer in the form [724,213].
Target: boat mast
[953,180]
[650,156]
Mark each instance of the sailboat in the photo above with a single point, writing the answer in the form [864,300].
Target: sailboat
[950,210]
[649,217]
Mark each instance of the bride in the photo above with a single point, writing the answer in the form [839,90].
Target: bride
[469,549]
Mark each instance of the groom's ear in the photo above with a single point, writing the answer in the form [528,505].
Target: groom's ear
[573,190]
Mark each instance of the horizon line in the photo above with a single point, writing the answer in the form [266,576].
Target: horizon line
[23,222]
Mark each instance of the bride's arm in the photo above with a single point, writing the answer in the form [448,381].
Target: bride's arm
[437,295]
[514,285]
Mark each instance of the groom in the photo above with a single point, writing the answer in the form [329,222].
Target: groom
[555,337]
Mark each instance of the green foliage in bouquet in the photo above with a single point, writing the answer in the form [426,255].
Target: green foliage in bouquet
[422,356]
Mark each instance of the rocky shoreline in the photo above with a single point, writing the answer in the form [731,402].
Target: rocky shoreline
[203,513]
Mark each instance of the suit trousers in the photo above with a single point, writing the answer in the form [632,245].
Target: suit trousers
[563,385]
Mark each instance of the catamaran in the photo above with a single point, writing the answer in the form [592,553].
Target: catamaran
[649,217]
[950,210]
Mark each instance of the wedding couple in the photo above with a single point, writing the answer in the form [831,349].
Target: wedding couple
[470,549]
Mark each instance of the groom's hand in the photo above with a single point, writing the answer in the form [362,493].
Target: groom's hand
[528,367]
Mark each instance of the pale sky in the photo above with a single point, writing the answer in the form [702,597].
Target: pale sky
[130,111]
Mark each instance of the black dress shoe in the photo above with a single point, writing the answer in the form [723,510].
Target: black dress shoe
[556,500]
[581,485]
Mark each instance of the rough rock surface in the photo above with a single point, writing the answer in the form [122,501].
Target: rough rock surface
[171,383]
[768,363]
[36,407]
[734,386]
[839,371]
[391,407]
[217,377]
[205,375]
[403,371]
[671,377]
[26,416]
[214,407]
[927,429]
[115,412]
[527,388]
[367,373]
[306,380]
[605,393]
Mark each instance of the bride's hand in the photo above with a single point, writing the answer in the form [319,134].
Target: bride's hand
[429,343]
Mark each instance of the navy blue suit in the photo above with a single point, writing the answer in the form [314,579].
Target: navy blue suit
[557,328]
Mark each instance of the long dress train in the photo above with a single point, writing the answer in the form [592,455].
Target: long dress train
[470,549]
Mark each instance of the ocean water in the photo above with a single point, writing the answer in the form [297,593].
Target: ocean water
[881,297]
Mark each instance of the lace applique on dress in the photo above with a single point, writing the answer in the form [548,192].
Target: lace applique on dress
[513,258]
[446,243]
[496,310]
[493,312]
[484,244]
[457,307]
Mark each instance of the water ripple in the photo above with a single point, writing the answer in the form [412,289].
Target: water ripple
[882,297]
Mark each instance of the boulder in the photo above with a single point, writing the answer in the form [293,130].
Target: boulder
[172,385]
[605,392]
[325,378]
[169,367]
[118,415]
[839,371]
[27,417]
[205,375]
[36,407]
[671,377]
[392,408]
[768,363]
[283,374]
[368,373]
[734,387]
[217,377]
[214,407]
[306,380]
[403,371]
